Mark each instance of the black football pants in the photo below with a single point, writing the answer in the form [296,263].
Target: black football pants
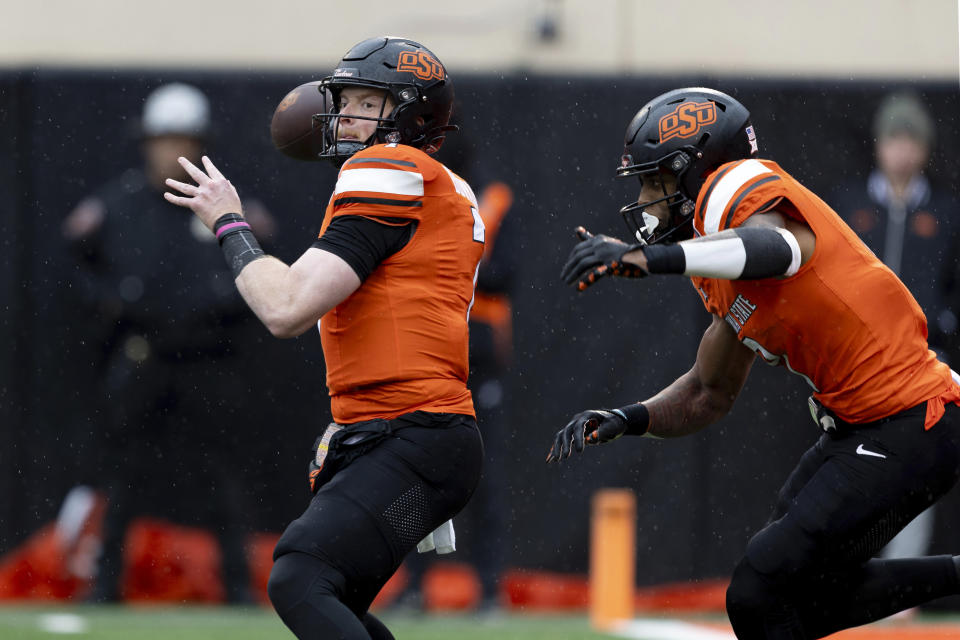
[331,562]
[809,572]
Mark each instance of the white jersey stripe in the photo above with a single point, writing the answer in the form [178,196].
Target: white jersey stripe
[463,188]
[726,188]
[396,181]
[795,255]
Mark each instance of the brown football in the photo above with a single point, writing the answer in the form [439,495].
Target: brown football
[292,128]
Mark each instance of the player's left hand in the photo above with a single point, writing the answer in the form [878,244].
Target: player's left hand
[593,426]
[210,198]
[598,256]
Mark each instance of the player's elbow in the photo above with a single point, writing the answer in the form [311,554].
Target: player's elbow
[718,403]
[285,331]
[282,331]
[284,325]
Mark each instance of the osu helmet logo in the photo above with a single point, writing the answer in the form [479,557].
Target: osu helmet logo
[420,64]
[687,119]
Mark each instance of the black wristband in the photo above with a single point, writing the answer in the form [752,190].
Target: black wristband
[228,223]
[237,241]
[665,258]
[637,417]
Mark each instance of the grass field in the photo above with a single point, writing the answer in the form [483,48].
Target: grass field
[25,622]
[29,622]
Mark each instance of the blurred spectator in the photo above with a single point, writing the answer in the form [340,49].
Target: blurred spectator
[911,227]
[481,525]
[904,220]
[165,315]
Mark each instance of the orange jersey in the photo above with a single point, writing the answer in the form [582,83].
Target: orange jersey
[399,343]
[844,321]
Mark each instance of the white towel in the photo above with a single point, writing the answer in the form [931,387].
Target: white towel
[443,539]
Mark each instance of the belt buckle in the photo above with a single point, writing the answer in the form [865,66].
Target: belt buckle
[323,447]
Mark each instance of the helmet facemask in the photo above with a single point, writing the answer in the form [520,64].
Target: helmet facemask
[647,228]
[408,122]
[337,150]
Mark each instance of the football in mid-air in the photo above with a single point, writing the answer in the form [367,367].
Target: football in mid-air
[292,129]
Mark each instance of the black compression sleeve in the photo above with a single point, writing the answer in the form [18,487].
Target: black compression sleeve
[665,258]
[363,243]
[637,417]
[767,253]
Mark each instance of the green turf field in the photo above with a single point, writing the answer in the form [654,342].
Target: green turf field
[31,622]
[28,622]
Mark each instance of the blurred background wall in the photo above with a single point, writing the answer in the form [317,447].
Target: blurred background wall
[850,39]
[545,90]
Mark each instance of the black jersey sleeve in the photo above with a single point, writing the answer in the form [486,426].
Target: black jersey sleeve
[363,243]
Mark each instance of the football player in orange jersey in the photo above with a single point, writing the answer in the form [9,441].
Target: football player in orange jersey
[390,282]
[786,280]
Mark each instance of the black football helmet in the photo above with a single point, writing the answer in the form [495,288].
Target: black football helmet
[687,133]
[411,75]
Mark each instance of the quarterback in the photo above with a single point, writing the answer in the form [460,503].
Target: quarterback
[786,281]
[390,282]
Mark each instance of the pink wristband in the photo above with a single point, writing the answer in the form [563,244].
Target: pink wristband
[228,227]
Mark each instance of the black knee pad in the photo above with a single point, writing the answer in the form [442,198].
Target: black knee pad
[295,576]
[757,609]
[749,591]
[783,550]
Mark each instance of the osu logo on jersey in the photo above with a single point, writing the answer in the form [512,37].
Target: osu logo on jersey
[420,64]
[687,120]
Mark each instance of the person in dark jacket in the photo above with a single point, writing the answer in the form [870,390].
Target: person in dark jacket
[906,221]
[163,313]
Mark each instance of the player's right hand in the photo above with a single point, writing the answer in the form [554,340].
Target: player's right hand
[598,256]
[593,426]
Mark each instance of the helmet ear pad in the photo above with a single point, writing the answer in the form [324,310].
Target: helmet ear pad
[422,119]
[680,167]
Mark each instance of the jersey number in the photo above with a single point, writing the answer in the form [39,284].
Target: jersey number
[773,359]
[479,230]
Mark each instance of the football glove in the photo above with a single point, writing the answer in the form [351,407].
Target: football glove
[594,426]
[598,256]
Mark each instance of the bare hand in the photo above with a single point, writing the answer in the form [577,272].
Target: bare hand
[85,219]
[210,198]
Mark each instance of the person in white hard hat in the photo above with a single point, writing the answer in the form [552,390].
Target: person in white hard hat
[165,314]
[175,122]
